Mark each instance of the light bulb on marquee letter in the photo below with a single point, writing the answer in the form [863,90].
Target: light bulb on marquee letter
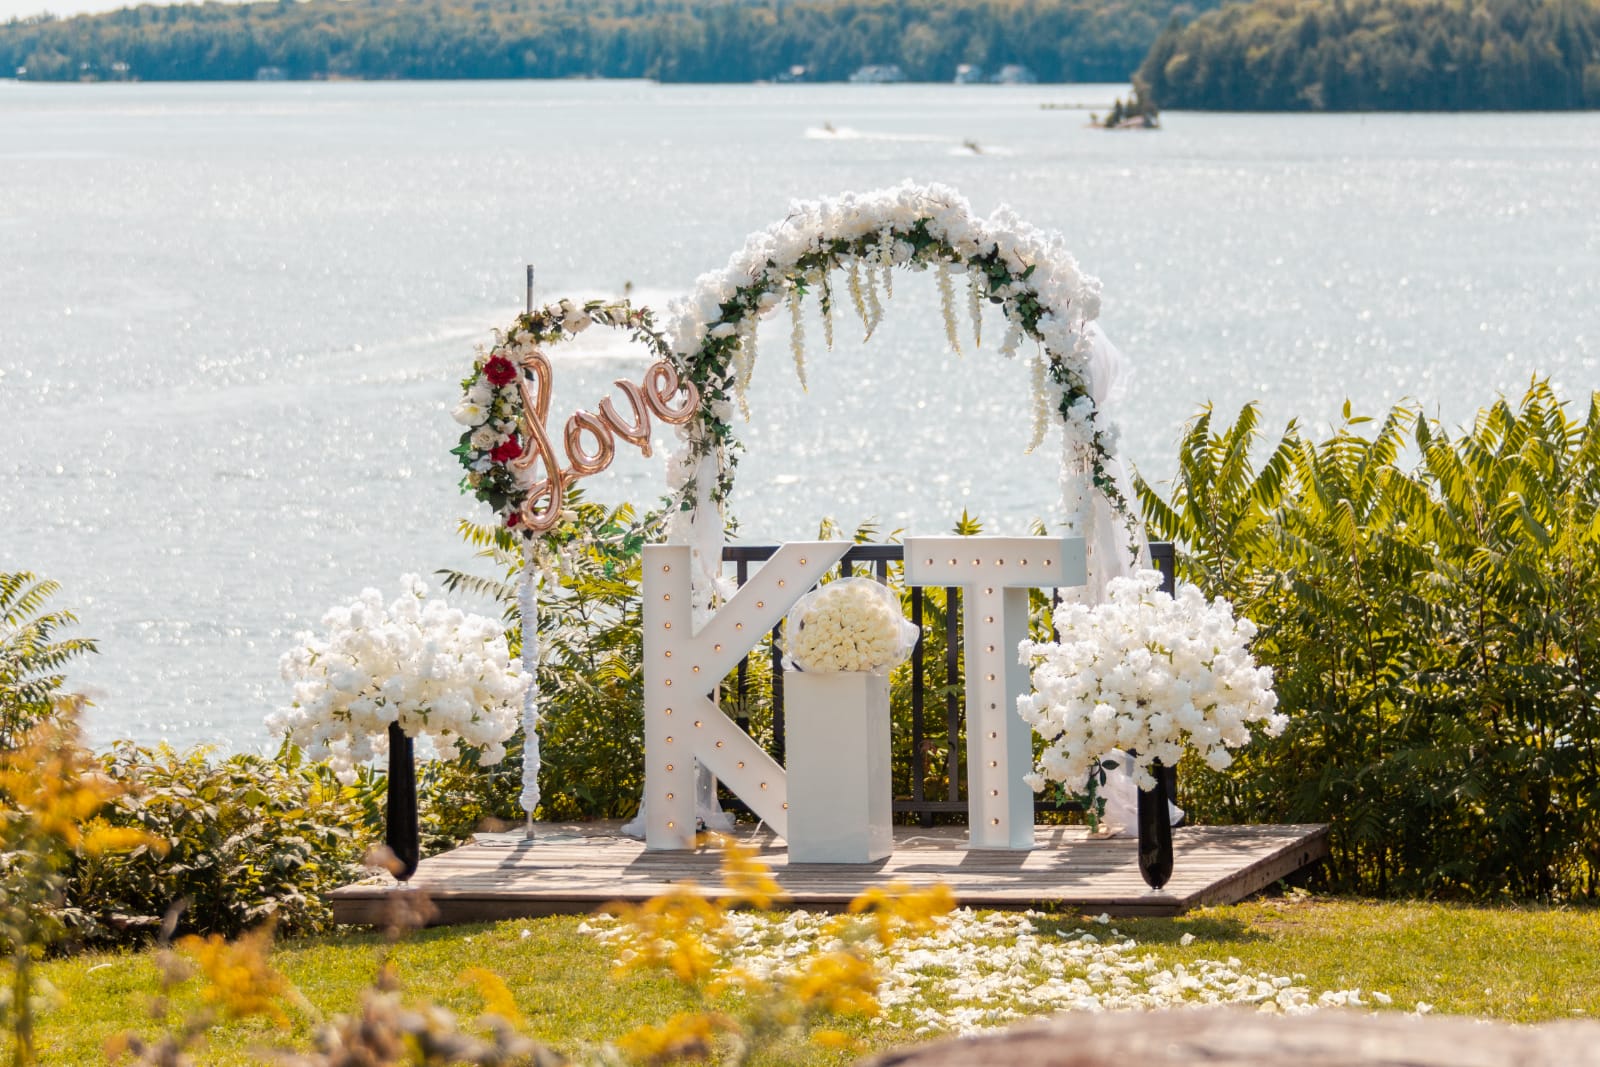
[995,574]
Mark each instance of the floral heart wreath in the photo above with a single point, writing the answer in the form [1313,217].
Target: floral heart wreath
[510,459]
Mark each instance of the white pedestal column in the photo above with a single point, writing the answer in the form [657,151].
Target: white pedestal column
[836,732]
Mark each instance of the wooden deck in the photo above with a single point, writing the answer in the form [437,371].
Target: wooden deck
[580,867]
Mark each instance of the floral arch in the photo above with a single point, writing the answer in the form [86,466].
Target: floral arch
[845,249]
[842,250]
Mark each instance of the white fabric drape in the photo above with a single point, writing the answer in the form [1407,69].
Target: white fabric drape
[1116,544]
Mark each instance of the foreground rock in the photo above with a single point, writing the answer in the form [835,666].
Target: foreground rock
[1228,1037]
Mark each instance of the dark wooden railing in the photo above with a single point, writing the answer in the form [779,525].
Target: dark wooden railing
[875,560]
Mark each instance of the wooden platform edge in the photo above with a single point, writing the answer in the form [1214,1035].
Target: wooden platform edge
[379,904]
[1292,857]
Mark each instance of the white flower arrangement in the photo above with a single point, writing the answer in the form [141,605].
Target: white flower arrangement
[853,624]
[435,670]
[1144,672]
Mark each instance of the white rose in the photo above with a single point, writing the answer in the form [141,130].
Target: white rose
[470,414]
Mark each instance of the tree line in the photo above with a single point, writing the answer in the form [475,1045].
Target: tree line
[665,40]
[1348,55]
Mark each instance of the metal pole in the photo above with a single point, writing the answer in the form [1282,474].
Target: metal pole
[528,600]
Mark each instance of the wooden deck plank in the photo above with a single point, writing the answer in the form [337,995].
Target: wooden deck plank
[577,868]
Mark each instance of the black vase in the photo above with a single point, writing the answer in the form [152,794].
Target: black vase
[401,830]
[1155,831]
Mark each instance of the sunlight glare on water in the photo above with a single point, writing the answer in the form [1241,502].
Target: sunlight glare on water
[233,318]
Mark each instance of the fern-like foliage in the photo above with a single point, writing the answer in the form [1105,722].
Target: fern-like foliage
[33,657]
[1430,603]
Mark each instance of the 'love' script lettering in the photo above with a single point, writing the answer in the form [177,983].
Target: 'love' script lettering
[541,510]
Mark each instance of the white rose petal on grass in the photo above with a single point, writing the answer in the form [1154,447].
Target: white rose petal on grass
[983,971]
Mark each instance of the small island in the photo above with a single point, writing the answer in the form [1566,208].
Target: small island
[1139,112]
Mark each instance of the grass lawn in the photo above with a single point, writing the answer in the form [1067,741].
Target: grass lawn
[1524,965]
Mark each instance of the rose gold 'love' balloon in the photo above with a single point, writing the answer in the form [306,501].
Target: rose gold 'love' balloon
[541,509]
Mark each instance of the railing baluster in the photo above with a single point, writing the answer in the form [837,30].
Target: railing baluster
[743,571]
[952,706]
[777,697]
[919,757]
[1163,554]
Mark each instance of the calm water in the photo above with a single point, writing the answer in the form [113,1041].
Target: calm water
[232,318]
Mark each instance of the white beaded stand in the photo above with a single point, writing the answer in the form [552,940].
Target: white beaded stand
[995,574]
[528,609]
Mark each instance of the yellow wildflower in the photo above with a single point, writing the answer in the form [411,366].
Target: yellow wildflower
[497,998]
[240,980]
[685,1036]
[897,907]
[836,983]
[747,879]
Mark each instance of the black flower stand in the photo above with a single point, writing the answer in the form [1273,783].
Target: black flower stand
[401,833]
[1155,830]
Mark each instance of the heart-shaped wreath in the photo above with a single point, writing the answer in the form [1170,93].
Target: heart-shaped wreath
[510,459]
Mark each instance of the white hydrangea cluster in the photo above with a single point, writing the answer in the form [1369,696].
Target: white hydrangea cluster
[1148,672]
[981,971]
[434,669]
[849,625]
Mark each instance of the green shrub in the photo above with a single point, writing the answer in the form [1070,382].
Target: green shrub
[1435,631]
[249,839]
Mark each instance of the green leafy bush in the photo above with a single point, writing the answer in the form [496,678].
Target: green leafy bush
[1430,603]
[248,840]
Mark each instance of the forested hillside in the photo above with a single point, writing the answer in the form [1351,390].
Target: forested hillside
[1381,54]
[669,40]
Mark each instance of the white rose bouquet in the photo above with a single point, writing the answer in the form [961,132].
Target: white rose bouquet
[433,669]
[853,624]
[1144,672]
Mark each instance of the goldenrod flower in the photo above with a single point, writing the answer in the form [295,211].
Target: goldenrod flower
[240,980]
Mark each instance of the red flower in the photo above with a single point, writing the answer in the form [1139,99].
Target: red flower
[514,518]
[507,450]
[500,370]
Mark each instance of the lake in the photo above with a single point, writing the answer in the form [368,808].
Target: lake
[233,318]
